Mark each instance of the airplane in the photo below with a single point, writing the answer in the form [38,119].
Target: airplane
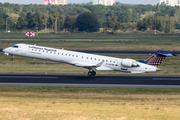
[89,61]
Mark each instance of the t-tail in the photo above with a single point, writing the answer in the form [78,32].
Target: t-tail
[157,58]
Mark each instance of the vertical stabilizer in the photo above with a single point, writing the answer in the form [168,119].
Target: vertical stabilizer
[157,58]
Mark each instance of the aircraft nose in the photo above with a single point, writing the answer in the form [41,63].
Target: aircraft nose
[158,69]
[4,50]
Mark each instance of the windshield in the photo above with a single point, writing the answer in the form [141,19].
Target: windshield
[14,46]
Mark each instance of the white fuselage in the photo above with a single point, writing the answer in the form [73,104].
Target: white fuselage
[75,58]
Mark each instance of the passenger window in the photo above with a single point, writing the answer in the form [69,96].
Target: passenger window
[62,53]
[76,55]
[94,58]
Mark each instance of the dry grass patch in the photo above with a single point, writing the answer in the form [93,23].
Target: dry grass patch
[85,106]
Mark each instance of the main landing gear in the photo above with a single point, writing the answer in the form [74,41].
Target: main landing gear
[11,59]
[91,73]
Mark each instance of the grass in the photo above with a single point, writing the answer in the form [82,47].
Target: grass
[44,103]
[22,65]
[64,103]
[97,41]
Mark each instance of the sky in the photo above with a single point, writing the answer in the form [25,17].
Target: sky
[153,2]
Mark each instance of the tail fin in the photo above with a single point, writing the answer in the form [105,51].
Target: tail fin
[157,58]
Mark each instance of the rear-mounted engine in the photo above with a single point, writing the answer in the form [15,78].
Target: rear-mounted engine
[129,63]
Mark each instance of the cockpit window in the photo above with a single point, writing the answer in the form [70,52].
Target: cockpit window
[14,46]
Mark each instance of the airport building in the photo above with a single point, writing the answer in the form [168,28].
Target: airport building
[55,2]
[171,2]
[104,2]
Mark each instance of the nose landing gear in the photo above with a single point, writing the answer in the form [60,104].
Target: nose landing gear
[91,73]
[12,56]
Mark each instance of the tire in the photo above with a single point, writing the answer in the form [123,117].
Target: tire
[89,73]
[93,73]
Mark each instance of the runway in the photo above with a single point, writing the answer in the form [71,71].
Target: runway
[85,81]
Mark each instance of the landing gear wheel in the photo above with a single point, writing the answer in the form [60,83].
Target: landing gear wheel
[11,59]
[91,73]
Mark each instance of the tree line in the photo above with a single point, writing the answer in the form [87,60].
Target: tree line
[89,18]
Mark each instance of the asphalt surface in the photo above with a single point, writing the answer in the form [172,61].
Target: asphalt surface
[102,52]
[85,81]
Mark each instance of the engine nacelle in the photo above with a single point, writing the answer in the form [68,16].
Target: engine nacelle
[129,63]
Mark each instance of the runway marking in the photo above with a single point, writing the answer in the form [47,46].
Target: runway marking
[166,78]
[26,77]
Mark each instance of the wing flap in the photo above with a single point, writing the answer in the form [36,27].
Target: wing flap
[89,66]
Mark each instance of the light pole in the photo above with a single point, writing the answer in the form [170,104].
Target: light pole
[6,24]
[105,26]
[155,25]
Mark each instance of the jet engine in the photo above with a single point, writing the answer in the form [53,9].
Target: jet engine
[129,63]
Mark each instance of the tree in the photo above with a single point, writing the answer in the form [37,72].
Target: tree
[45,20]
[112,22]
[21,23]
[70,23]
[88,22]
[29,19]
[1,20]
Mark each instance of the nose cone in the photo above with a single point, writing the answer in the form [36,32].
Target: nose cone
[4,50]
[158,69]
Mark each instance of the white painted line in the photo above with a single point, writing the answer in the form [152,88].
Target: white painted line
[166,78]
[27,77]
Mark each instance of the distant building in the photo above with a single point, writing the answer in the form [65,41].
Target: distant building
[55,2]
[46,2]
[104,2]
[171,2]
[60,2]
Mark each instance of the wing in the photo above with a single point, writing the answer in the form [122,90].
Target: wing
[92,67]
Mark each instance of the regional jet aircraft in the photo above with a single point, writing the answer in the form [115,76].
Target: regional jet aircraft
[89,61]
